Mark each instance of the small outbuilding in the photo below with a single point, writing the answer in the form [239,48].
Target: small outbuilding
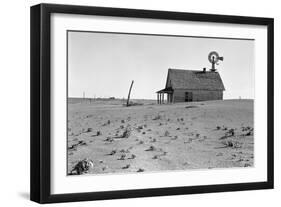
[191,85]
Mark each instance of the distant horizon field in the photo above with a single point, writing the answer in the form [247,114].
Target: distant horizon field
[74,100]
[115,98]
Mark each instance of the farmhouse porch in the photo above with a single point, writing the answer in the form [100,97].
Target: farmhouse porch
[161,95]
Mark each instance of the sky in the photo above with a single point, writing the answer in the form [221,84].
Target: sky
[104,64]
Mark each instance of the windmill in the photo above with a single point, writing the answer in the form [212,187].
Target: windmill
[214,58]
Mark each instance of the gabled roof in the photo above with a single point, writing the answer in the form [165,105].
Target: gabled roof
[194,79]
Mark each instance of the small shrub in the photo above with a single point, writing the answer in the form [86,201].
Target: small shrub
[153,140]
[122,157]
[151,148]
[132,157]
[113,152]
[190,107]
[126,167]
[167,133]
[232,144]
[248,133]
[140,170]
[155,157]
[157,117]
[109,139]
[231,132]
[89,130]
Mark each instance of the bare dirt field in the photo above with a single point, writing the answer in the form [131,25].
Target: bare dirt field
[151,137]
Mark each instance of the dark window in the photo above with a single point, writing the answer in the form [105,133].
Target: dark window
[188,96]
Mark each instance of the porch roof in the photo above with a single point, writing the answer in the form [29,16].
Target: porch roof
[166,90]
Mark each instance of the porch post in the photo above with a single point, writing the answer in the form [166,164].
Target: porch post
[157,98]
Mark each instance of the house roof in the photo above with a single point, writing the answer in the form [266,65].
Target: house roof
[194,79]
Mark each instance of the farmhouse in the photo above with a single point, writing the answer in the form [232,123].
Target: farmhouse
[191,85]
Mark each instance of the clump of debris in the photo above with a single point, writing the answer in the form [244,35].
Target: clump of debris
[127,132]
[248,131]
[74,146]
[82,167]
[232,144]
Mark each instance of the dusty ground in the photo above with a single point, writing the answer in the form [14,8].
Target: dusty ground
[198,135]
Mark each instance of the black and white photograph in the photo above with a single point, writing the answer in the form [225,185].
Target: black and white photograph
[141,103]
[133,103]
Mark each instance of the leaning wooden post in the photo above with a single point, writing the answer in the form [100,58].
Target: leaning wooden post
[128,100]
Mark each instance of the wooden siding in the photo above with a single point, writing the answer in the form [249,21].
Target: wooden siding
[197,95]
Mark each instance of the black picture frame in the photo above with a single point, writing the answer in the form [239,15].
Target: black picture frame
[41,98]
